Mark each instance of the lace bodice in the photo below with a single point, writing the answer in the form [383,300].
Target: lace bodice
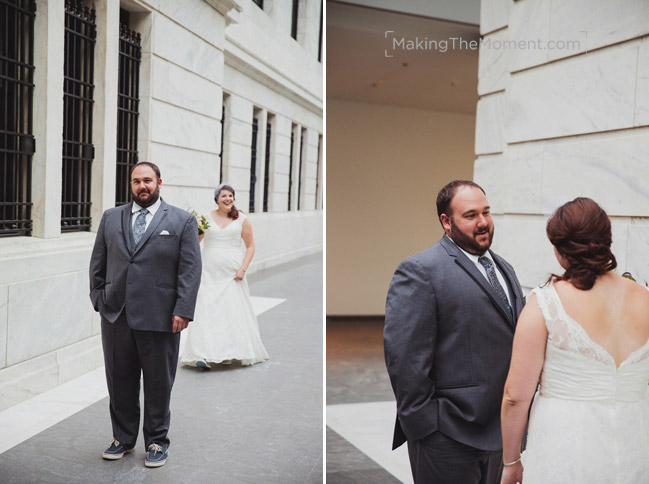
[577,368]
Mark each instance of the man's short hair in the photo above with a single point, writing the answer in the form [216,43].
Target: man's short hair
[153,166]
[447,193]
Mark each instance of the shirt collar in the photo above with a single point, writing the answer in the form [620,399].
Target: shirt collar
[152,209]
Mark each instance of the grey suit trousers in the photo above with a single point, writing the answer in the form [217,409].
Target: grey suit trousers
[129,353]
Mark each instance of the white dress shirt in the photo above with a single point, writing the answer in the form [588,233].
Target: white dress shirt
[135,209]
[483,271]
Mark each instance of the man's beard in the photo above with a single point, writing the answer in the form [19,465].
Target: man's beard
[468,242]
[147,202]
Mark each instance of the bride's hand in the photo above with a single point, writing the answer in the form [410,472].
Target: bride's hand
[239,275]
[512,474]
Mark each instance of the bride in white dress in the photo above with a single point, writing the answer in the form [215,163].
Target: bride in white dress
[584,336]
[225,326]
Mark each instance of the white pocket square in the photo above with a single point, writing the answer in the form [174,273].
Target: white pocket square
[164,232]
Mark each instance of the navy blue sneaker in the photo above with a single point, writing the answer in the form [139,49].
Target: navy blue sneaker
[156,455]
[116,450]
[203,364]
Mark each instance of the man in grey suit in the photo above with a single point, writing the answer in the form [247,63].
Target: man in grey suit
[449,325]
[145,270]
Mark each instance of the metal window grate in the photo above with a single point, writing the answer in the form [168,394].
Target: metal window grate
[128,108]
[290,169]
[320,38]
[222,139]
[299,172]
[16,102]
[295,11]
[78,88]
[267,164]
[317,171]
[253,165]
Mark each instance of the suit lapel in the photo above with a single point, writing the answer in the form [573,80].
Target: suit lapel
[470,268]
[157,218]
[126,226]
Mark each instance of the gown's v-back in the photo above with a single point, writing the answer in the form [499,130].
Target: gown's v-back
[590,419]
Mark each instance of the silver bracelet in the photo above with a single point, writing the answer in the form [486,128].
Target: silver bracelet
[507,464]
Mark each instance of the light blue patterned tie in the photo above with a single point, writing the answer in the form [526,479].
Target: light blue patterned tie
[493,280]
[140,225]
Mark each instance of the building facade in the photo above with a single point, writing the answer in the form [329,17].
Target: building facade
[564,112]
[211,91]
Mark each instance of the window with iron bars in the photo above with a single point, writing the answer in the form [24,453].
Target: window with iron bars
[128,107]
[259,3]
[299,172]
[267,161]
[253,165]
[16,121]
[290,167]
[78,89]
[294,16]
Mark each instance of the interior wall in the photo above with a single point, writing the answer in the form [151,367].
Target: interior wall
[385,165]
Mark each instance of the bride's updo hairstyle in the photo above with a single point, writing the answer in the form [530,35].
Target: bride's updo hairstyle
[581,232]
[233,213]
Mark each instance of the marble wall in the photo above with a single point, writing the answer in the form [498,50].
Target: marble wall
[196,55]
[563,112]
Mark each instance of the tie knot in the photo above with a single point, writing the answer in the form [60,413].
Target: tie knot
[144,211]
[485,262]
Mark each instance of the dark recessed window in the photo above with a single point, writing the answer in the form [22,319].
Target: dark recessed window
[16,102]
[128,106]
[269,130]
[259,3]
[295,11]
[78,91]
[253,165]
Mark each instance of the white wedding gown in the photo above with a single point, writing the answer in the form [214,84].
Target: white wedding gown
[225,326]
[590,420]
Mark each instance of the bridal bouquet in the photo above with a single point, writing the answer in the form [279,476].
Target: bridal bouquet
[203,224]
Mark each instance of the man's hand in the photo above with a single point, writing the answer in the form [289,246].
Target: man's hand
[179,323]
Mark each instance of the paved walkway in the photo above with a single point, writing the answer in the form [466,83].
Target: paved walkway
[230,425]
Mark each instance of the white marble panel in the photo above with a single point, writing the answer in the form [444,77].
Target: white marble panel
[239,131]
[642,85]
[25,258]
[47,314]
[494,60]
[584,94]
[489,125]
[177,86]
[239,155]
[488,173]
[494,14]
[27,379]
[4,297]
[282,163]
[522,178]
[638,252]
[96,323]
[79,358]
[279,201]
[240,108]
[595,24]
[177,45]
[189,198]
[239,178]
[198,17]
[619,228]
[280,182]
[180,166]
[282,144]
[530,24]
[521,240]
[175,126]
[612,170]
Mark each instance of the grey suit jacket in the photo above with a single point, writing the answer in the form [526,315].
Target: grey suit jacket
[153,280]
[448,342]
